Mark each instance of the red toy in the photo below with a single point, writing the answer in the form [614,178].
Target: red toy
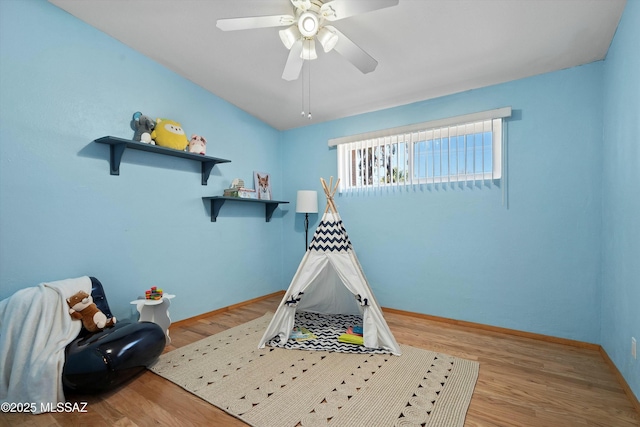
[153,293]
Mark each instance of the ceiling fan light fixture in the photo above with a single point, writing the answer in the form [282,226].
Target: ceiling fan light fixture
[327,38]
[301,4]
[289,36]
[308,24]
[309,50]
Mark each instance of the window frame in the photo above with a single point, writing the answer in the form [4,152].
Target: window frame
[408,137]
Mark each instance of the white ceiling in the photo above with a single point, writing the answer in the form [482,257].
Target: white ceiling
[424,48]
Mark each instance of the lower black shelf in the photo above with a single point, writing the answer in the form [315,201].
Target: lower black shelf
[218,201]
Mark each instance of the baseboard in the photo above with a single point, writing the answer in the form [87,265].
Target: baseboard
[621,380]
[194,319]
[489,328]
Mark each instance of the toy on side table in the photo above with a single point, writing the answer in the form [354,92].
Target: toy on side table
[82,307]
[154,293]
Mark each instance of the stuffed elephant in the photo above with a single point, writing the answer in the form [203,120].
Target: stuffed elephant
[143,126]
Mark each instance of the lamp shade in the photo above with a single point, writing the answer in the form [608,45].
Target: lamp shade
[309,50]
[327,38]
[289,36]
[307,201]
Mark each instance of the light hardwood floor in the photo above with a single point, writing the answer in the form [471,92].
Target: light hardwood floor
[522,381]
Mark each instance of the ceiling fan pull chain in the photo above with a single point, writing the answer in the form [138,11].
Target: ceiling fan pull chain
[302,94]
[309,85]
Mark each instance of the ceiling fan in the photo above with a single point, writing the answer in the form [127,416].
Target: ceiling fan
[308,24]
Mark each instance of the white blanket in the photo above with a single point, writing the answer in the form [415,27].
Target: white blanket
[35,328]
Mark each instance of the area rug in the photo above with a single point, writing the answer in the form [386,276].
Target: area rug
[275,387]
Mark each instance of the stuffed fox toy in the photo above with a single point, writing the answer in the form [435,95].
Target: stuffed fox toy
[82,307]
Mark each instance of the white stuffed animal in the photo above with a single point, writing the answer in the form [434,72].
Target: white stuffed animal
[198,145]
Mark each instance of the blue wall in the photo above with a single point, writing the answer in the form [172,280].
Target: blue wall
[460,253]
[559,258]
[64,84]
[621,197]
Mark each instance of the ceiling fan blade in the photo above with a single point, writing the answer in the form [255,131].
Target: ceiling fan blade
[340,9]
[354,54]
[232,24]
[294,62]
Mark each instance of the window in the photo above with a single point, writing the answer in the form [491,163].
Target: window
[458,149]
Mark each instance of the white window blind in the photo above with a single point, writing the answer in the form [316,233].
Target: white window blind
[452,150]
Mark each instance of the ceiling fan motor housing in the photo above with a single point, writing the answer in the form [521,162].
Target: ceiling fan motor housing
[308,24]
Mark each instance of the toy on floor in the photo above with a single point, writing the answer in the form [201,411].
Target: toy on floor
[354,330]
[352,336]
[351,339]
[154,293]
[170,134]
[81,307]
[301,334]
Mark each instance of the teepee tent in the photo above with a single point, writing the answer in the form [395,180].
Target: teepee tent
[330,280]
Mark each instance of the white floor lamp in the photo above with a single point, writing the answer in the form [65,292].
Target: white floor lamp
[306,203]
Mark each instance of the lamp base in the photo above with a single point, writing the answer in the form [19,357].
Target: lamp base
[306,232]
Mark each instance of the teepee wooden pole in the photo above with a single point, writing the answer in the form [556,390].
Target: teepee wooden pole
[336,187]
[326,193]
[333,192]
[330,191]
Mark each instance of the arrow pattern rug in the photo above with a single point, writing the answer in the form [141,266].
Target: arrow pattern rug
[275,387]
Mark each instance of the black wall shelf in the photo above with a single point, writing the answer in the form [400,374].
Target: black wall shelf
[117,147]
[218,201]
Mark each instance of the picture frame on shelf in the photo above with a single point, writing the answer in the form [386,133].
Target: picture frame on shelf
[262,182]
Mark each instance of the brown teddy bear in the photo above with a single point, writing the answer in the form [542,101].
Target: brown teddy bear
[82,307]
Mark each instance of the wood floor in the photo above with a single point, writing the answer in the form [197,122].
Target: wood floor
[522,381]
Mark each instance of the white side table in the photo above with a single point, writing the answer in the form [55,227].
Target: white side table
[156,311]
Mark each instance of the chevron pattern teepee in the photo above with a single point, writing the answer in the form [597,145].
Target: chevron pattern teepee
[330,281]
[330,236]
